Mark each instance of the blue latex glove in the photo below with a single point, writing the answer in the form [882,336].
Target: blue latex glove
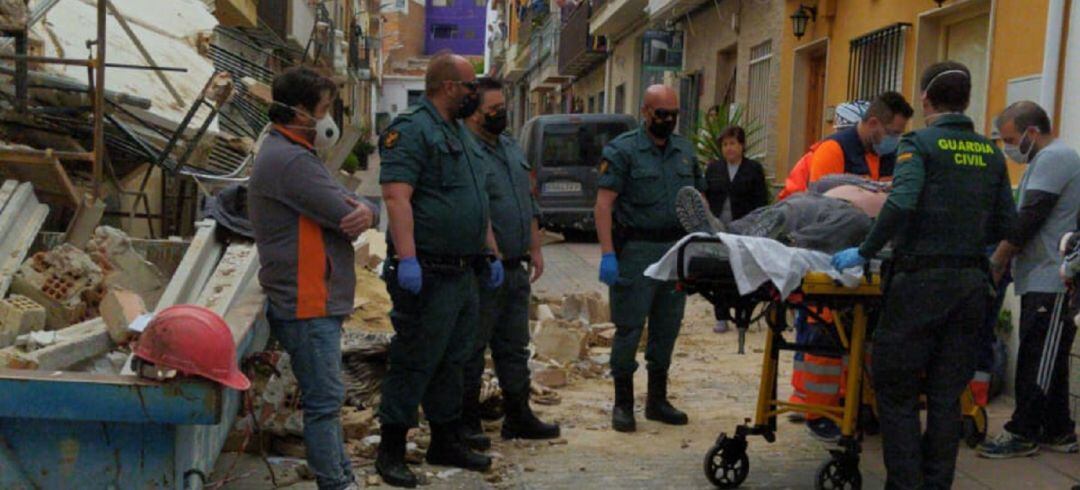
[409,276]
[846,259]
[609,269]
[497,274]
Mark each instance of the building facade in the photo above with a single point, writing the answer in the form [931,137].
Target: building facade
[455,25]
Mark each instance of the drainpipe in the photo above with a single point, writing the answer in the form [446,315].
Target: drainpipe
[1055,21]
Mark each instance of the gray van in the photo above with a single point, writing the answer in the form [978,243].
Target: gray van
[564,151]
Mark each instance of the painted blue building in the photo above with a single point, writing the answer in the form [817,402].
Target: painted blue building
[457,25]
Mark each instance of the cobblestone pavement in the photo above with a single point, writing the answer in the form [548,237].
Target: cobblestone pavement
[718,389]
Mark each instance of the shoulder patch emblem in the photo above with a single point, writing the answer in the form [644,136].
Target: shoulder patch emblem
[904,157]
[603,166]
[390,139]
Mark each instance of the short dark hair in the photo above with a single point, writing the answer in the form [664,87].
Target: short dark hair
[1025,114]
[733,131]
[298,87]
[486,84]
[947,91]
[441,68]
[887,105]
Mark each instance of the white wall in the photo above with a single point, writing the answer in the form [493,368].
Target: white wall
[303,21]
[395,92]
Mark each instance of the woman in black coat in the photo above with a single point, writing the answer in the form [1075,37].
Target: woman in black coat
[735,187]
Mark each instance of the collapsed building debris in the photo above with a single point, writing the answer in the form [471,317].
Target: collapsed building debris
[124,267]
[19,315]
[66,281]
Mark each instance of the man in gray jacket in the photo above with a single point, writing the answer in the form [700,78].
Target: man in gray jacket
[304,223]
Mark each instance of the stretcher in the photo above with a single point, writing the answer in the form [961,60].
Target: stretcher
[727,464]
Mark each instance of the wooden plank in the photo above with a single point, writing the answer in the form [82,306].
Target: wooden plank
[42,170]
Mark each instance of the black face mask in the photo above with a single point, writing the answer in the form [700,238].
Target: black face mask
[468,106]
[662,128]
[495,123]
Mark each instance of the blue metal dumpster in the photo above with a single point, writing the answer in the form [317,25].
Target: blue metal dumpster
[71,430]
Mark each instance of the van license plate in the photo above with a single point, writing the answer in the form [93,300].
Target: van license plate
[562,187]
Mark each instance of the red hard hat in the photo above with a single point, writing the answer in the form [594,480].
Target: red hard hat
[195,341]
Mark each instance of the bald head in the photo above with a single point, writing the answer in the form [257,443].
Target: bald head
[660,110]
[660,97]
[446,67]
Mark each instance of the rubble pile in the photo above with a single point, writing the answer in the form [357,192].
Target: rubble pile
[571,337]
[66,281]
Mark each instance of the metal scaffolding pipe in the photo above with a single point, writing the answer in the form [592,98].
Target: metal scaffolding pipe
[99,99]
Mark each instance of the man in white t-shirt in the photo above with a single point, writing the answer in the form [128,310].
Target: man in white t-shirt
[1049,197]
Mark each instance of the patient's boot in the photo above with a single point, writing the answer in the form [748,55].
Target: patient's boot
[693,212]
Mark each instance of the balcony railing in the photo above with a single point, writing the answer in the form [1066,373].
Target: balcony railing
[578,51]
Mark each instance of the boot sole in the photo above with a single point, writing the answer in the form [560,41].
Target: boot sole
[454,464]
[1022,454]
[393,482]
[693,212]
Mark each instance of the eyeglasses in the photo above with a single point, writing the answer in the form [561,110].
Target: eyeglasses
[469,85]
[666,113]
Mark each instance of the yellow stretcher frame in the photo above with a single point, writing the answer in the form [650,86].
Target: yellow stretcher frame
[726,463]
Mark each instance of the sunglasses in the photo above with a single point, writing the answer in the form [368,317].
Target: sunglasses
[666,113]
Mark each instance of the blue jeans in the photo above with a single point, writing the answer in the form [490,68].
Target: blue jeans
[314,348]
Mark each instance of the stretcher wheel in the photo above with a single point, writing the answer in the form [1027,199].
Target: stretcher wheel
[839,474]
[975,428]
[726,463]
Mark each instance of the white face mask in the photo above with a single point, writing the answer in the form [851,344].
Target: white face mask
[326,130]
[1016,154]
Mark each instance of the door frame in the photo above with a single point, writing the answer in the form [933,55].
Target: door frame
[929,33]
[799,87]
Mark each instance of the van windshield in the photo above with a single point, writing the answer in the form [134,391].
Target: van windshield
[580,144]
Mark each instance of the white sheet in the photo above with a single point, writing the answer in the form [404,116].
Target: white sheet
[756,260]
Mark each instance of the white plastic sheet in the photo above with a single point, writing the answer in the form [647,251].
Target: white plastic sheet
[755,261]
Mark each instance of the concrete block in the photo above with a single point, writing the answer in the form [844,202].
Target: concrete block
[357,424]
[601,334]
[73,345]
[19,315]
[20,221]
[544,313]
[589,307]
[123,266]
[119,309]
[561,341]
[66,281]
[551,377]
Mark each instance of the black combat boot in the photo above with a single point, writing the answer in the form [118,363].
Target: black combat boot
[622,414]
[390,461]
[521,422]
[472,432]
[657,406]
[447,449]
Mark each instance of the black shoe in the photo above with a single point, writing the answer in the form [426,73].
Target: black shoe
[657,406]
[447,449]
[521,422]
[472,433]
[622,414]
[390,461]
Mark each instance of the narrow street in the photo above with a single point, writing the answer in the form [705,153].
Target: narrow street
[717,387]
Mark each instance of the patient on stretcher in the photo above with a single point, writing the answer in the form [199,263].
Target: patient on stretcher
[835,214]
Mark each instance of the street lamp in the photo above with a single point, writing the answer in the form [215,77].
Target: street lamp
[800,18]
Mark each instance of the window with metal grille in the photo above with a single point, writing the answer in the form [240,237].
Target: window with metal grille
[757,105]
[444,31]
[877,62]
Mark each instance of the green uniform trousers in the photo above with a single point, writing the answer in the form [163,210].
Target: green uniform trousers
[925,343]
[635,298]
[504,325]
[433,333]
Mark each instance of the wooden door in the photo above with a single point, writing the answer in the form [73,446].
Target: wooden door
[815,98]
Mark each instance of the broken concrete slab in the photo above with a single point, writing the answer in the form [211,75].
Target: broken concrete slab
[19,315]
[357,424]
[20,221]
[235,269]
[544,313]
[125,267]
[588,307]
[601,334]
[87,217]
[119,308]
[71,346]
[195,268]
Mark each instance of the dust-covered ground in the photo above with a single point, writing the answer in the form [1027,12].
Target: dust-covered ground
[715,386]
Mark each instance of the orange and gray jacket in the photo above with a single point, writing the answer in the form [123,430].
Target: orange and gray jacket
[296,206]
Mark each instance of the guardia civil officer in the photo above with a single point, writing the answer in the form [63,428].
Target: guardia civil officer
[951,198]
[433,182]
[504,311]
[640,173]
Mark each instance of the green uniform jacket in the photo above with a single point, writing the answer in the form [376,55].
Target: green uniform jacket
[510,190]
[647,178]
[951,194]
[444,165]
